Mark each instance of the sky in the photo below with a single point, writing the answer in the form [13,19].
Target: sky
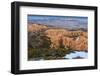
[59,21]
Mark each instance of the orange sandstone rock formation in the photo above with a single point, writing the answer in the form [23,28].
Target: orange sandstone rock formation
[76,40]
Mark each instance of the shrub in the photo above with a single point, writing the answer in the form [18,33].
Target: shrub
[48,54]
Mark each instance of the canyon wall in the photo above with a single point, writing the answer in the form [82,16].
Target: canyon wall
[76,40]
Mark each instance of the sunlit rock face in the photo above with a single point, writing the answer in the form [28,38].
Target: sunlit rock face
[76,43]
[76,40]
[36,27]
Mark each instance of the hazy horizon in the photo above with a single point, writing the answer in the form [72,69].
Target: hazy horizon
[59,21]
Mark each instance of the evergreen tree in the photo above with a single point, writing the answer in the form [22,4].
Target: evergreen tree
[38,39]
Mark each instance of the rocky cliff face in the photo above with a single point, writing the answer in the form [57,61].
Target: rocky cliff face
[36,27]
[76,40]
